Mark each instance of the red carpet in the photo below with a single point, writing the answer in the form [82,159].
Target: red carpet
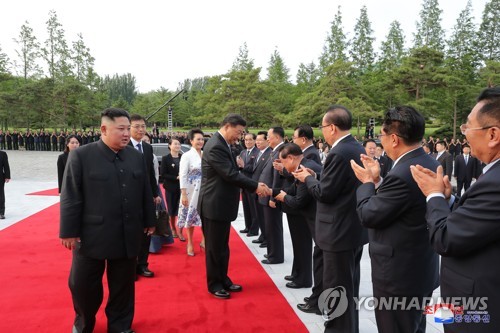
[51,192]
[35,296]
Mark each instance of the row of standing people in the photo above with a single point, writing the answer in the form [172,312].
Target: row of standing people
[404,216]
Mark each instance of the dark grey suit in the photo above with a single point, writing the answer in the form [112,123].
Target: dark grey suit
[338,230]
[468,239]
[273,217]
[106,200]
[218,206]
[147,150]
[446,161]
[464,171]
[249,198]
[4,174]
[403,261]
[259,209]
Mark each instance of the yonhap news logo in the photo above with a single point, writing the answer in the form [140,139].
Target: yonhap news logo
[333,302]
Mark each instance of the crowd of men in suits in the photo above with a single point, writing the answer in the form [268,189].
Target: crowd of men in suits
[365,195]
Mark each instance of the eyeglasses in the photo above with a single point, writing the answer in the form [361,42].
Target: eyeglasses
[139,126]
[323,126]
[464,128]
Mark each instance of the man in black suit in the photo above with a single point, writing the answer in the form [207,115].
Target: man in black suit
[246,162]
[300,208]
[404,265]
[137,132]
[219,202]
[273,216]
[106,207]
[444,158]
[468,237]
[465,169]
[384,161]
[338,230]
[303,137]
[260,162]
[4,178]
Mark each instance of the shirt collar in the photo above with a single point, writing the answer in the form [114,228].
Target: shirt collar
[400,157]
[339,139]
[489,165]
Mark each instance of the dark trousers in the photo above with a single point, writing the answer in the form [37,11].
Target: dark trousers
[317,259]
[465,184]
[2,196]
[302,250]
[142,258]
[85,283]
[341,269]
[409,320]
[259,214]
[273,219]
[216,253]
[251,221]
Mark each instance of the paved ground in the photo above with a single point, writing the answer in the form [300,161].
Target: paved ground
[36,171]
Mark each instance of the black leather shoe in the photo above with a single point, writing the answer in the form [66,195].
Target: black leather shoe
[263,245]
[252,234]
[2,217]
[294,285]
[234,288]
[307,308]
[128,331]
[289,277]
[257,241]
[266,255]
[244,231]
[222,294]
[268,262]
[145,272]
[306,299]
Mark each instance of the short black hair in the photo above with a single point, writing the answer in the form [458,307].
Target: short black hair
[491,108]
[194,131]
[264,133]
[290,149]
[172,139]
[234,119]
[137,117]
[113,113]
[368,140]
[305,131]
[441,142]
[406,122]
[252,134]
[278,131]
[340,116]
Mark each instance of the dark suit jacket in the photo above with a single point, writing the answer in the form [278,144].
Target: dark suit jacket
[311,153]
[337,224]
[147,151]
[169,173]
[61,164]
[385,165]
[468,239]
[249,161]
[403,261]
[446,161]
[465,172]
[298,200]
[4,166]
[106,201]
[260,163]
[271,177]
[221,181]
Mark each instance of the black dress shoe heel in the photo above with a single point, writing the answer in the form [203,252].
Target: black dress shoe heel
[308,308]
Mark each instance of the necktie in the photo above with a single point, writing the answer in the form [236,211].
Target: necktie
[466,159]
[248,153]
[139,147]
